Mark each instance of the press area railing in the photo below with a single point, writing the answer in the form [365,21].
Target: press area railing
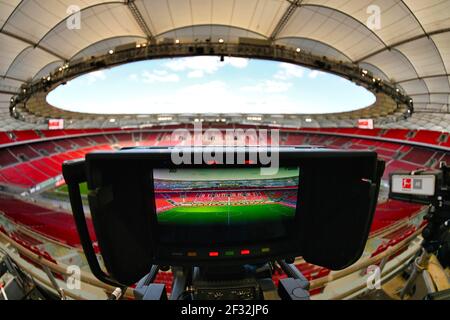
[16,251]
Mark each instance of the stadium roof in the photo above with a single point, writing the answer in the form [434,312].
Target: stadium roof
[409,43]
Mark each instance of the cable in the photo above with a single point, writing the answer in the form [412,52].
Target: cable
[184,295]
[116,295]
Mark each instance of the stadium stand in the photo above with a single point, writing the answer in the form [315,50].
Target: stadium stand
[47,157]
[51,154]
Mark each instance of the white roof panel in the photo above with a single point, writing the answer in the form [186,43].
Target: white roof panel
[412,44]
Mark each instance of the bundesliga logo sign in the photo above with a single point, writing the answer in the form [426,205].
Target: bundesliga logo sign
[407,184]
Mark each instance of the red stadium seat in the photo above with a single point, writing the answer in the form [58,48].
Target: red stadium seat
[4,138]
[426,136]
[26,135]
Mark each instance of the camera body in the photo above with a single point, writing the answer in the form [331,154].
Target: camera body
[430,187]
[328,223]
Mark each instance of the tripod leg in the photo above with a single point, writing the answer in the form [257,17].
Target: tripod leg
[181,276]
[420,264]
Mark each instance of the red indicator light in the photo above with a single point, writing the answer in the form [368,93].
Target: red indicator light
[214,254]
[245,252]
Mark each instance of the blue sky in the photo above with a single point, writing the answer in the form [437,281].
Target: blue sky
[206,85]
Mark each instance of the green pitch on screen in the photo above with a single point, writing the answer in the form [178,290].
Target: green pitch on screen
[226,214]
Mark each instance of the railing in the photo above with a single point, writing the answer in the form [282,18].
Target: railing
[85,277]
[362,265]
[89,279]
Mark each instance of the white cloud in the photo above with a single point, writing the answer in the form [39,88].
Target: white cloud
[207,90]
[201,66]
[95,76]
[268,86]
[196,74]
[314,74]
[239,63]
[288,71]
[133,77]
[159,76]
[205,64]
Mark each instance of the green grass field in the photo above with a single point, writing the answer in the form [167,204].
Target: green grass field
[64,189]
[226,214]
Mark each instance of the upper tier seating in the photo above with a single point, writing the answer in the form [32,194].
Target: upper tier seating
[26,135]
[4,138]
[426,136]
[400,134]
[29,174]
[47,157]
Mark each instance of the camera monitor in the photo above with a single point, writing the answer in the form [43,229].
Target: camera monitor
[147,210]
[231,206]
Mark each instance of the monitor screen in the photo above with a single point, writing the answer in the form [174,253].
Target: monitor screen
[225,206]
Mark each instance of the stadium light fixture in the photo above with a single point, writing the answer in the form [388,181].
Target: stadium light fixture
[49,78]
[138,45]
[298,50]
[111,51]
[177,41]
[112,120]
[221,40]
[365,72]
[309,120]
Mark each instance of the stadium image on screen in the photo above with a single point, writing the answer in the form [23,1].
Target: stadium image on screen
[216,199]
